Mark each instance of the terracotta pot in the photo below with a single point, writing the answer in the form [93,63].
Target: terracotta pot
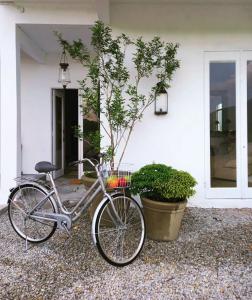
[163,219]
[88,182]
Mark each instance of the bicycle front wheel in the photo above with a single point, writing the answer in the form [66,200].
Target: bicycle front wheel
[22,200]
[120,230]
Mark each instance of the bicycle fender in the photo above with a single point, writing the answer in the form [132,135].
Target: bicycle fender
[95,217]
[14,190]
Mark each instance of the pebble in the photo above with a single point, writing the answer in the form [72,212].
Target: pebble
[212,259]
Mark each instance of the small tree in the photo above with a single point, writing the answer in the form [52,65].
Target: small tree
[111,91]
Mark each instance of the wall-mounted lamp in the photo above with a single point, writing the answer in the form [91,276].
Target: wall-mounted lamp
[161,100]
[13,3]
[64,74]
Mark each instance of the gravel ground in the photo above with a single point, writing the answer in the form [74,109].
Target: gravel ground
[212,259]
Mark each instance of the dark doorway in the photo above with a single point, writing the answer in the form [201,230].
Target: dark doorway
[71,123]
[66,133]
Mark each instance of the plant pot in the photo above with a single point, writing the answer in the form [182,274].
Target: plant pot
[88,182]
[163,219]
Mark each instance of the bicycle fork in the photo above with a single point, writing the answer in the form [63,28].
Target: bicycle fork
[113,215]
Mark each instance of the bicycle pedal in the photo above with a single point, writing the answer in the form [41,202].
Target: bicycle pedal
[64,226]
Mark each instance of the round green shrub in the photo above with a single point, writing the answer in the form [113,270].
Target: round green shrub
[179,186]
[146,181]
[162,183]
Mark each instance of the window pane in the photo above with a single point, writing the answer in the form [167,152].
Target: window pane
[249,103]
[223,124]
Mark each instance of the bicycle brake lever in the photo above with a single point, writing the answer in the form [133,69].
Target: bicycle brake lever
[74,163]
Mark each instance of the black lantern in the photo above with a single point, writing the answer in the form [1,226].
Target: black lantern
[64,75]
[161,100]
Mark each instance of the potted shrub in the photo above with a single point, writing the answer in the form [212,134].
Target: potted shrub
[164,192]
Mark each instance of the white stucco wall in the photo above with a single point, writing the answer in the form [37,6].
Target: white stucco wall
[177,139]
[37,81]
[82,13]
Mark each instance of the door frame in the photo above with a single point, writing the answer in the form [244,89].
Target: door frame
[222,56]
[80,141]
[60,93]
[80,123]
[245,56]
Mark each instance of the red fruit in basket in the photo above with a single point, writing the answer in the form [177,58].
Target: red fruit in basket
[122,182]
[112,182]
[110,179]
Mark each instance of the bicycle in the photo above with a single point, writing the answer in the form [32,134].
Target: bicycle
[118,228]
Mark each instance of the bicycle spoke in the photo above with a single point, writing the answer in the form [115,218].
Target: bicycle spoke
[121,243]
[32,229]
[107,230]
[19,208]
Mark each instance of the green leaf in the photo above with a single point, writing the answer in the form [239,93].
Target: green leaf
[110,89]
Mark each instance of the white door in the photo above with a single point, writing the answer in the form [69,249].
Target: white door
[223,125]
[246,98]
[58,132]
[80,141]
[228,115]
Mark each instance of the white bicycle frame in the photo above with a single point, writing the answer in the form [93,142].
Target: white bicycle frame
[65,217]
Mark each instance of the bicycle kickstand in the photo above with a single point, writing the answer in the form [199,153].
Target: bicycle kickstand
[26,240]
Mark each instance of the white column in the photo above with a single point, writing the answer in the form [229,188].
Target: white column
[10,142]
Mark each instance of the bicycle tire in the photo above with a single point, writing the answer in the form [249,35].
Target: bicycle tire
[104,220]
[52,226]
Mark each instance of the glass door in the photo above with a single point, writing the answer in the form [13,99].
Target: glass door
[246,70]
[223,125]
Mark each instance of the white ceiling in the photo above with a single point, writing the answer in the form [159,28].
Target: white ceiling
[44,38]
[184,1]
[133,1]
[43,35]
[49,1]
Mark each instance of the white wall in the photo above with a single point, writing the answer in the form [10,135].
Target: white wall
[81,13]
[37,81]
[177,139]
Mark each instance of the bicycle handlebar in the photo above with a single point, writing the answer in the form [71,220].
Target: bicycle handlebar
[97,164]
[89,161]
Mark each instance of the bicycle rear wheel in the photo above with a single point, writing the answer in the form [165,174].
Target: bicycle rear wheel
[22,200]
[120,230]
